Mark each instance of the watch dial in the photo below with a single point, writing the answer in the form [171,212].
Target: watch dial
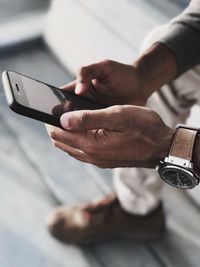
[177,178]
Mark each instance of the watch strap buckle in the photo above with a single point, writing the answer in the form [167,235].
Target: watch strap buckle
[179,161]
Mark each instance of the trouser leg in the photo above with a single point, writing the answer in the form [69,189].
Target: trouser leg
[139,189]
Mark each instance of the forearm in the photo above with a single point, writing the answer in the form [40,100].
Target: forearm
[183,37]
[174,53]
[156,67]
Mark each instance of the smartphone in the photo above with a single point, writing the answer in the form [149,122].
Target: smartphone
[41,101]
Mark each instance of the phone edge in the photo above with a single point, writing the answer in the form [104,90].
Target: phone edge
[22,110]
[7,88]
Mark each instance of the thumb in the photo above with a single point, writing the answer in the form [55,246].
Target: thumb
[108,118]
[87,73]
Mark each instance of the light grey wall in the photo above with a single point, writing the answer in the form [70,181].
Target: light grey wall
[12,8]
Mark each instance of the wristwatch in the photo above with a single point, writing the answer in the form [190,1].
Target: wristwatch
[177,169]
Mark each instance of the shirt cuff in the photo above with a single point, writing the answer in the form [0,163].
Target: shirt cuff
[184,43]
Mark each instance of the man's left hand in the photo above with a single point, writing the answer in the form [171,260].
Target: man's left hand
[118,136]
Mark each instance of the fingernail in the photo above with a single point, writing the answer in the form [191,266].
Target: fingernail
[78,88]
[64,120]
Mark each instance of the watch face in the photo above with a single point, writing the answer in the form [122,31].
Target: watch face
[178,177]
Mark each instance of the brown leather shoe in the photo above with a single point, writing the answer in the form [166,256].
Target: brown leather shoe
[102,220]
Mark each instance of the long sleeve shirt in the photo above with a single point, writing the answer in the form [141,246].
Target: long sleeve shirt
[183,37]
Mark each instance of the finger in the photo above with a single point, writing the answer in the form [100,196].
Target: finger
[94,71]
[108,118]
[94,91]
[62,108]
[74,152]
[51,129]
[101,90]
[48,127]
[79,89]
[69,87]
[84,157]
[100,87]
[73,139]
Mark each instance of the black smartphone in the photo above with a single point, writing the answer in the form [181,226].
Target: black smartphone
[41,101]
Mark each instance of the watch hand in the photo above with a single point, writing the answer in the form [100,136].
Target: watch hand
[179,180]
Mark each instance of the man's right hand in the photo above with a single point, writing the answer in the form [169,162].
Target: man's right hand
[109,83]
[112,83]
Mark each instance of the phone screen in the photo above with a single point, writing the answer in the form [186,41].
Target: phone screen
[51,100]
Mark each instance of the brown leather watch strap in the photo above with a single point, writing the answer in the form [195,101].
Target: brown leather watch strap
[182,145]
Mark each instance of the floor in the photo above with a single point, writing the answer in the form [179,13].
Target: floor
[35,177]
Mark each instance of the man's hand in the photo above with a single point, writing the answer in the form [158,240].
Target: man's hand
[112,83]
[109,83]
[118,136]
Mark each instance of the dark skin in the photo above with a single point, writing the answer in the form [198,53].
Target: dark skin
[113,83]
[125,134]
[91,131]
[104,83]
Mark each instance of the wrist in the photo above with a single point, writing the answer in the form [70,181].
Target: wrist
[164,144]
[156,67]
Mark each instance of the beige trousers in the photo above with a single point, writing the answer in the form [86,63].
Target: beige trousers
[138,189]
